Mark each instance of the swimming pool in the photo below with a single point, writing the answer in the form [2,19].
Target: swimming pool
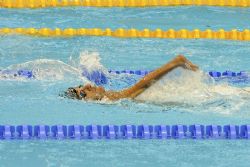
[37,101]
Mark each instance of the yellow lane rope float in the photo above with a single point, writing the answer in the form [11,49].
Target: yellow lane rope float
[119,3]
[132,33]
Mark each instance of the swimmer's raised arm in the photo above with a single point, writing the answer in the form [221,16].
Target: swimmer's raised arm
[89,92]
[146,81]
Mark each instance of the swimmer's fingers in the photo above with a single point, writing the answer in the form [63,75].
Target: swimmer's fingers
[190,66]
[194,67]
[187,64]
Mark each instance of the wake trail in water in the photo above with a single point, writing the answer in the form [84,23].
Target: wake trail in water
[54,70]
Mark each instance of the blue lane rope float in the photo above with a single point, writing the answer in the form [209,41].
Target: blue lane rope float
[16,73]
[196,131]
[214,74]
[99,78]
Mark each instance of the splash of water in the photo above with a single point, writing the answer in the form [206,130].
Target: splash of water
[53,70]
[187,87]
[46,69]
[91,62]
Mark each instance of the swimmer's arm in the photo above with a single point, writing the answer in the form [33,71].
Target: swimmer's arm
[146,81]
[112,95]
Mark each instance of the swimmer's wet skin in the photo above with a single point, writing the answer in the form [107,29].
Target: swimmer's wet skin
[89,92]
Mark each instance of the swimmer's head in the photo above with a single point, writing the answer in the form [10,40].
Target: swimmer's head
[87,92]
[71,93]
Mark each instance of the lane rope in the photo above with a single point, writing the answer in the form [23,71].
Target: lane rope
[215,74]
[221,34]
[119,3]
[99,78]
[195,131]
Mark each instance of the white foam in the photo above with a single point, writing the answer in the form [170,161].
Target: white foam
[48,69]
[183,86]
[91,61]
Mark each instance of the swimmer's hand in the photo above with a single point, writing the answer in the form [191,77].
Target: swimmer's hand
[188,64]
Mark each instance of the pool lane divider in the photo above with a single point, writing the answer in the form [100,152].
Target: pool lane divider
[99,78]
[99,74]
[216,74]
[119,3]
[195,131]
[220,34]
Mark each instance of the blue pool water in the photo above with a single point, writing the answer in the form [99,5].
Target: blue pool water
[37,101]
[140,18]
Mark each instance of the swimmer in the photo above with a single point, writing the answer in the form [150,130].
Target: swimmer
[89,92]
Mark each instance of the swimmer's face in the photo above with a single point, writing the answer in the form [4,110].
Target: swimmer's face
[87,92]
